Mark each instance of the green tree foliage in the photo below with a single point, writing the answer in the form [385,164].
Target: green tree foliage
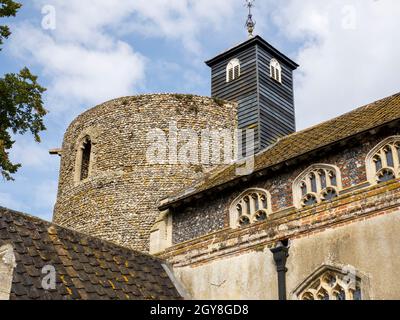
[21,105]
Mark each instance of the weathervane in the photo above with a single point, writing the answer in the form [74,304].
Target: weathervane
[250,24]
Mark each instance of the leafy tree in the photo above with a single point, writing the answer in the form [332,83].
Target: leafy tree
[21,105]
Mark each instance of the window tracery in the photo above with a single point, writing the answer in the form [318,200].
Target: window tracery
[383,161]
[317,184]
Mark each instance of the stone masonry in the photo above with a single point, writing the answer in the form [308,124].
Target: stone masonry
[118,202]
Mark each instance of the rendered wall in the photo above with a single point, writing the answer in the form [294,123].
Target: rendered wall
[372,247]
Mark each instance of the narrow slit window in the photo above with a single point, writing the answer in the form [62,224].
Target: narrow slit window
[86,155]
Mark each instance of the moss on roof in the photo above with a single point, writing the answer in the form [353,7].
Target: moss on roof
[297,144]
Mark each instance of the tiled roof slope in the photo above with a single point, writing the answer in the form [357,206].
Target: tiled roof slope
[299,143]
[86,267]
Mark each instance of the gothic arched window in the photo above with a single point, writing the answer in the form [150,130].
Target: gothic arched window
[233,70]
[253,205]
[329,283]
[84,159]
[276,70]
[383,162]
[320,182]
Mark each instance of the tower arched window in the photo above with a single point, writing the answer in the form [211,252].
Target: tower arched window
[233,70]
[329,283]
[253,205]
[383,161]
[84,159]
[276,70]
[320,182]
[86,154]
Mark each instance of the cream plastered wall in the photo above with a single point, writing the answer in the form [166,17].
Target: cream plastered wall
[371,246]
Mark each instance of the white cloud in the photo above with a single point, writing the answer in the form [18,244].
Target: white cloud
[84,58]
[84,63]
[7,200]
[30,154]
[79,73]
[183,20]
[349,55]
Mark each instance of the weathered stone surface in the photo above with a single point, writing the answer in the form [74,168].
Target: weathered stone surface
[119,200]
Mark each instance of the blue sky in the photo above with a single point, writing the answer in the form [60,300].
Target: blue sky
[102,49]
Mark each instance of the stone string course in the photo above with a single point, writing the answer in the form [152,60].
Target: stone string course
[119,200]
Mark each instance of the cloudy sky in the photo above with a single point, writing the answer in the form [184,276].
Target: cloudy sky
[96,50]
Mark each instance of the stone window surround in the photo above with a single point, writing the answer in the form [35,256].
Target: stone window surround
[252,215]
[372,174]
[297,184]
[91,134]
[7,265]
[341,271]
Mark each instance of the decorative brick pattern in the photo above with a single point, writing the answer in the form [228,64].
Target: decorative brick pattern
[119,200]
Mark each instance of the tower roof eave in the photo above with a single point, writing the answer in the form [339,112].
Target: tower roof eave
[253,41]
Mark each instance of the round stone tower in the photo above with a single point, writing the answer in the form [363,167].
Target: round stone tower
[107,186]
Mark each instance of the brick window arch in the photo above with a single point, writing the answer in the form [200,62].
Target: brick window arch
[233,70]
[253,205]
[331,283]
[318,183]
[383,161]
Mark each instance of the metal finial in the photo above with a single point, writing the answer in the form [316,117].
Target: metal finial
[250,24]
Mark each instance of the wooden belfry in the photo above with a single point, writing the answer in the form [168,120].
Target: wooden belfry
[262,86]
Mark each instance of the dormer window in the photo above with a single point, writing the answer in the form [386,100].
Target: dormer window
[276,70]
[233,70]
